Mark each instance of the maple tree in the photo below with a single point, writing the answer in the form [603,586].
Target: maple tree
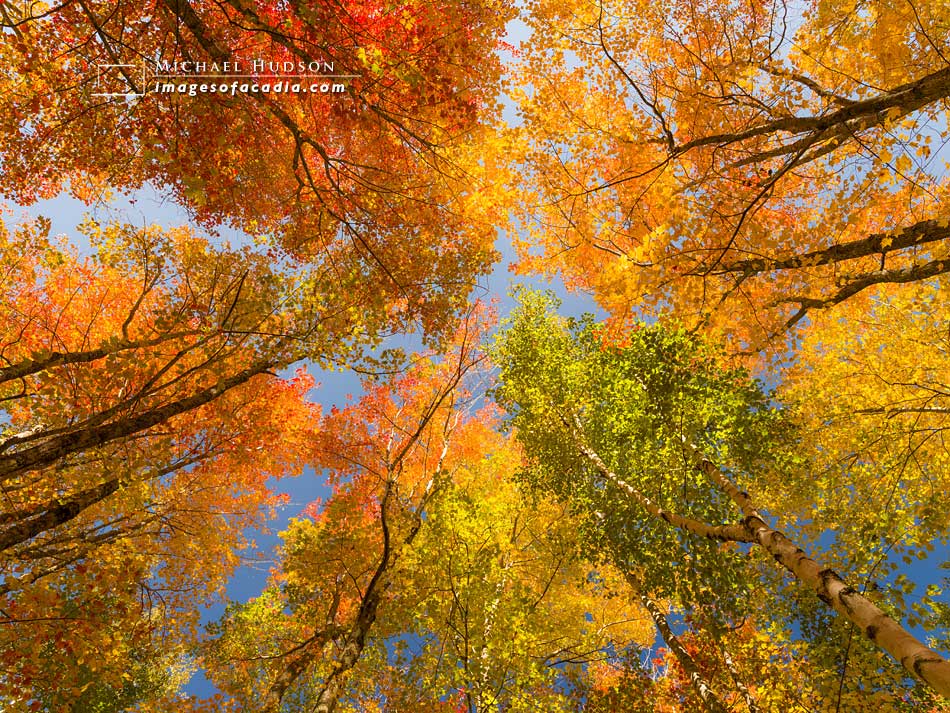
[140,419]
[650,437]
[735,166]
[385,185]
[379,459]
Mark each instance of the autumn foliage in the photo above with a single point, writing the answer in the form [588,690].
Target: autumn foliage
[140,422]
[742,165]
[727,492]
[383,185]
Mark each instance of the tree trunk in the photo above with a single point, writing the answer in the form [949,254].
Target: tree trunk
[707,696]
[54,449]
[925,663]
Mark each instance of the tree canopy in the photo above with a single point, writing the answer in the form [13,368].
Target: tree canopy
[727,491]
[742,164]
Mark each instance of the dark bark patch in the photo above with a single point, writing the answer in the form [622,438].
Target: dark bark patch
[920,663]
